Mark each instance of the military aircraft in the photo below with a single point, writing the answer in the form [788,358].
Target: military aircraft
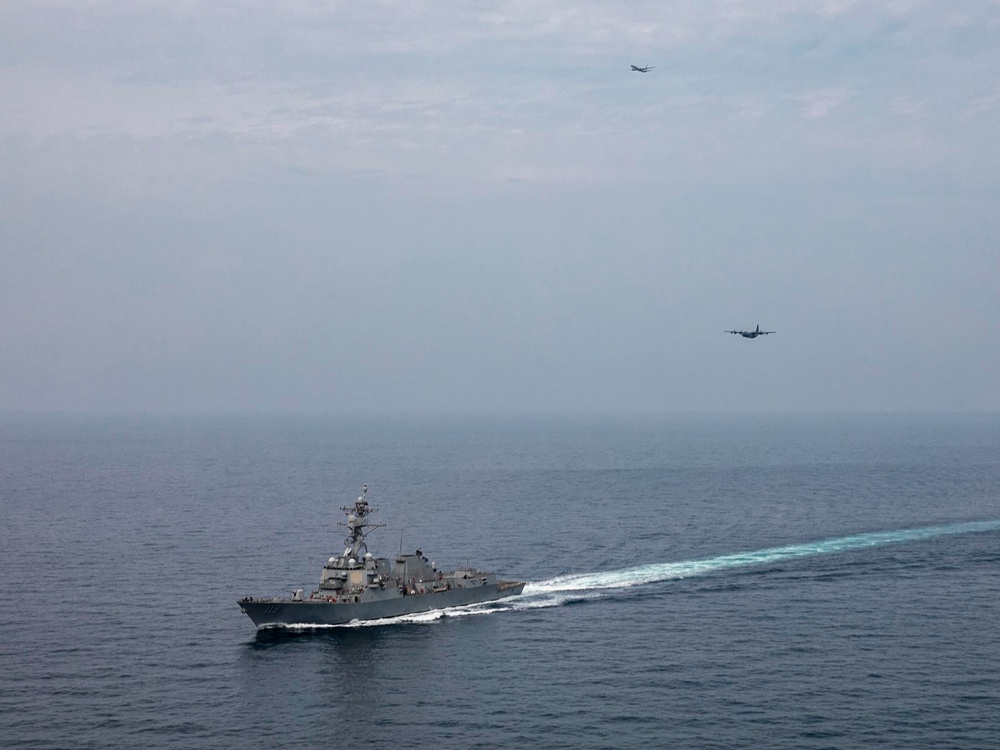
[644,69]
[752,334]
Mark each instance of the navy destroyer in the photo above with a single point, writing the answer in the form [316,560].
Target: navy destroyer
[358,586]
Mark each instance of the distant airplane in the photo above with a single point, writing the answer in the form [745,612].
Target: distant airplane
[752,334]
[644,69]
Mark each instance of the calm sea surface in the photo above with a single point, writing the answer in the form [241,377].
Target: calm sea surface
[694,582]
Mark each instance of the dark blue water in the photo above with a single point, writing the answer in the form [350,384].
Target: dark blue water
[697,582]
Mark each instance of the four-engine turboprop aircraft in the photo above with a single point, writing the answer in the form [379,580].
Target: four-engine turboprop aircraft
[752,334]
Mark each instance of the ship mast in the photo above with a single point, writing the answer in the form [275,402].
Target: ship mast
[357,527]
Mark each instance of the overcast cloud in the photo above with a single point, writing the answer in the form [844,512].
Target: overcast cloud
[336,206]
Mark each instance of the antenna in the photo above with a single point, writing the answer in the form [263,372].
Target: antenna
[400,542]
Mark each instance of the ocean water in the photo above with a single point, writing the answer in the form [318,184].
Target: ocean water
[695,582]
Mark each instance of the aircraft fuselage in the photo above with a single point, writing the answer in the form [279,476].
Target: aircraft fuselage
[751,334]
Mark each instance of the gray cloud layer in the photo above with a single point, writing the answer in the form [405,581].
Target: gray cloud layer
[337,206]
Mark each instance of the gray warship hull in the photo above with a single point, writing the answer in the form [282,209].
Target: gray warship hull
[277,613]
[356,585]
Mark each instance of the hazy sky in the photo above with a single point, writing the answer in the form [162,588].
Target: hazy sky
[427,206]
